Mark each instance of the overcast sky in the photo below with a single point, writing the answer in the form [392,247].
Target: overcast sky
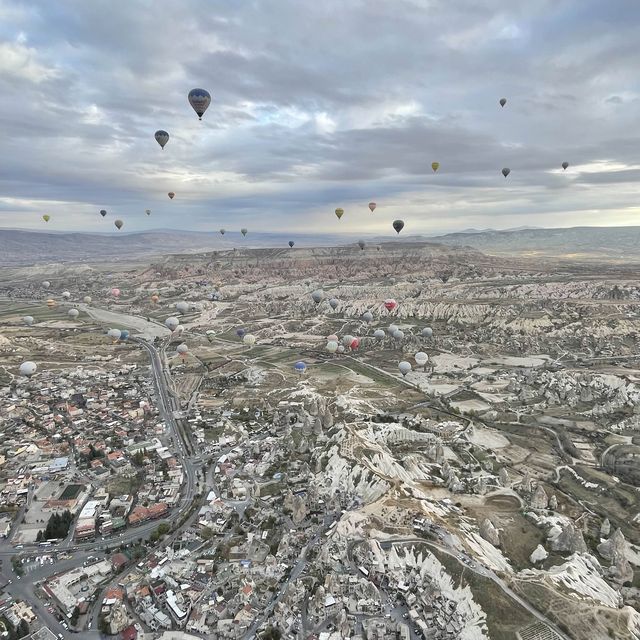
[318,105]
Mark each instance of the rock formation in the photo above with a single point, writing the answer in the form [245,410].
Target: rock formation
[538,555]
[489,532]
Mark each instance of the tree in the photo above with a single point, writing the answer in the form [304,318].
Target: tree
[23,629]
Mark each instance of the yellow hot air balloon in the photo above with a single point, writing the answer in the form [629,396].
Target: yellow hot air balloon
[51,303]
[46,217]
[435,166]
[339,212]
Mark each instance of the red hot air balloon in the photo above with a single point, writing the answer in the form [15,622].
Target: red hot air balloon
[390,304]
[355,343]
[115,293]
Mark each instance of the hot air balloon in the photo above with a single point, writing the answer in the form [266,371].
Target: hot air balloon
[115,334]
[372,206]
[222,232]
[503,101]
[46,217]
[339,212]
[291,243]
[333,303]
[565,165]
[506,171]
[332,346]
[244,232]
[249,339]
[390,304]
[347,340]
[73,313]
[155,298]
[124,334]
[46,284]
[404,367]
[354,344]
[119,224]
[392,329]
[435,166]
[379,334]
[300,366]
[51,303]
[240,332]
[427,332]
[28,368]
[28,320]
[200,100]
[179,330]
[182,307]
[87,299]
[361,244]
[148,211]
[66,295]
[162,137]
[171,323]
[317,296]
[211,335]
[115,292]
[398,225]
[367,316]
[398,334]
[340,348]
[171,195]
[421,358]
[182,349]
[103,212]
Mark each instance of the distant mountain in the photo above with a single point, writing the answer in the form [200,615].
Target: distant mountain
[19,247]
[612,244]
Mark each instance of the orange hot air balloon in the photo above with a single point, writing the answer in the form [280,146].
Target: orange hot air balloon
[51,303]
[154,298]
[171,195]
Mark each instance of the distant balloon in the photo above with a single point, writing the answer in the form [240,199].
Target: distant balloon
[148,211]
[28,368]
[240,332]
[103,212]
[340,348]
[114,333]
[249,339]
[404,367]
[300,366]
[332,346]
[398,225]
[162,137]
[46,217]
[291,243]
[119,224]
[317,296]
[87,299]
[379,334]
[211,335]
[171,195]
[179,330]
[355,343]
[347,340]
[183,307]
[392,329]
[155,298]
[367,316]
[46,284]
[28,320]
[244,232]
[390,304]
[398,334]
[171,323]
[506,171]
[182,349]
[339,212]
[66,295]
[333,303]
[332,338]
[503,101]
[421,358]
[222,232]
[361,244]
[200,100]
[124,334]
[427,332]
[372,206]
[565,165]
[73,313]
[435,166]
[51,303]
[115,292]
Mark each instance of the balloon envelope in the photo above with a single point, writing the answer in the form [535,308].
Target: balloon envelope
[421,358]
[427,332]
[115,292]
[28,320]
[435,166]
[367,316]
[87,299]
[103,212]
[244,232]
[162,137]
[171,195]
[148,211]
[347,340]
[199,99]
[300,366]
[398,225]
[46,217]
[240,332]
[46,284]
[171,323]
[182,348]
[565,165]
[317,296]
[379,334]
[114,333]
[222,232]
[333,303]
[182,307]
[503,101]
[355,343]
[398,335]
[390,304]
[392,329]
[339,212]
[119,224]
[291,243]
[404,367]
[372,206]
[506,171]
[73,313]
[28,368]
[332,346]
[361,244]
[66,295]
[332,338]
[249,339]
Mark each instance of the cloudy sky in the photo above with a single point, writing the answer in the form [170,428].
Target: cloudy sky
[318,105]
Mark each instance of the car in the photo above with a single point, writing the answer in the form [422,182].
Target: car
[90,623]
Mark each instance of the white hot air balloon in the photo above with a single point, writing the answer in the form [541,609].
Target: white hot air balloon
[398,335]
[317,296]
[183,307]
[332,338]
[379,334]
[28,320]
[179,330]
[421,358]
[73,313]
[115,334]
[46,284]
[249,339]
[392,329]
[347,340]
[28,368]
[367,316]
[87,299]
[182,349]
[66,295]
[404,367]
[427,332]
[333,303]
[340,349]
[332,346]
[171,323]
